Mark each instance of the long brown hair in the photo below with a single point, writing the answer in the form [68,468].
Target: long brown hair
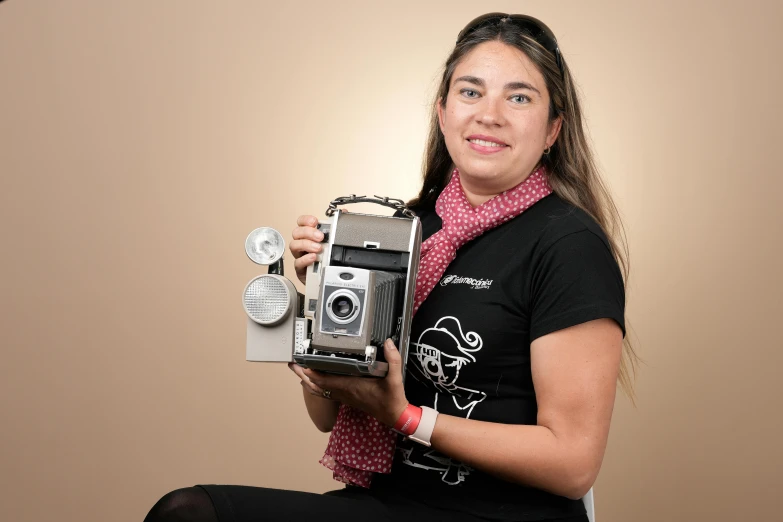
[571,168]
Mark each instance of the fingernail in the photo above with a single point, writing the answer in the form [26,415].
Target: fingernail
[319,235]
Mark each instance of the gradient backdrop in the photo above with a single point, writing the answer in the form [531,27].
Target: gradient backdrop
[141,141]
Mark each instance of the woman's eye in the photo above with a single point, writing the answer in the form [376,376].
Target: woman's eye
[520,98]
[470,93]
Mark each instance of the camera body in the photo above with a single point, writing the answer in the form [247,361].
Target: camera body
[358,293]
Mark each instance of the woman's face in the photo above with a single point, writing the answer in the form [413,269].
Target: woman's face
[495,119]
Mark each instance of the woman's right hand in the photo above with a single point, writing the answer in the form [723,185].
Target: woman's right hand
[322,411]
[306,244]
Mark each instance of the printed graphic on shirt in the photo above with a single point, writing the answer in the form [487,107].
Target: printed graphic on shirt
[475,284]
[452,471]
[441,366]
[439,354]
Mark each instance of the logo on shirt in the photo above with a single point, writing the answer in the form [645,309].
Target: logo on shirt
[475,284]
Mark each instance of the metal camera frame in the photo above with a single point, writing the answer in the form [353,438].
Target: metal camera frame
[315,352]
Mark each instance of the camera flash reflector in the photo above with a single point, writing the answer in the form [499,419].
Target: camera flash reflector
[265,246]
[267,299]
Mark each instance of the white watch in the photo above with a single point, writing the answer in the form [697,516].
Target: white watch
[426,426]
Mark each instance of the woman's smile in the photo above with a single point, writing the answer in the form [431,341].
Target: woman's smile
[486,144]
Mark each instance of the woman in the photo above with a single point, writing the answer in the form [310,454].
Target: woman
[516,344]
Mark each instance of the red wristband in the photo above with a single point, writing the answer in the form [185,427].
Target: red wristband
[408,421]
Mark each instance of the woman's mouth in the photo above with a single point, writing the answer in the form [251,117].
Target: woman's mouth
[486,146]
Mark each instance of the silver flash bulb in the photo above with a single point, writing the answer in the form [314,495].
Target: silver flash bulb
[265,246]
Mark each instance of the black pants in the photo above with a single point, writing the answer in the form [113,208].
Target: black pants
[212,503]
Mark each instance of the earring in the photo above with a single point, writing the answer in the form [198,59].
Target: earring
[547,150]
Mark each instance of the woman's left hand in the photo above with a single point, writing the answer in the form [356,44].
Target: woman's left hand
[383,398]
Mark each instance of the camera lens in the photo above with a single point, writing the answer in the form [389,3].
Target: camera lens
[342,307]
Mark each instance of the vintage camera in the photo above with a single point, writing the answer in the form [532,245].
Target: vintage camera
[358,293]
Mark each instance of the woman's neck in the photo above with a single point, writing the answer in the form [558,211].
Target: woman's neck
[476,200]
[478,195]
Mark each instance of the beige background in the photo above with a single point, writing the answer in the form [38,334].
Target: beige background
[141,141]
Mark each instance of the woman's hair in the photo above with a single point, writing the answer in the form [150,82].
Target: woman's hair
[571,169]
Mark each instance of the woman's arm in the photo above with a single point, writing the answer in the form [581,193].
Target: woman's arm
[322,411]
[574,373]
[304,247]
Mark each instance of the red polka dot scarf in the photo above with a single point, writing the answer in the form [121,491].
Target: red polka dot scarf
[359,445]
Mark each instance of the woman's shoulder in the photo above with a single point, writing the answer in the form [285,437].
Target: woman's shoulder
[557,219]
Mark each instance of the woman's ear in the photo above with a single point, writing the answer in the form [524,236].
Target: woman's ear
[554,131]
[441,113]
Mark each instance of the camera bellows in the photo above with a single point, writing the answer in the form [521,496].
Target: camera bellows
[389,290]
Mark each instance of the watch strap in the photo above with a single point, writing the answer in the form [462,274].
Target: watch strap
[426,426]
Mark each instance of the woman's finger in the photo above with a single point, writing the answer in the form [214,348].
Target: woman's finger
[300,247]
[312,390]
[305,381]
[303,262]
[311,233]
[299,371]
[307,221]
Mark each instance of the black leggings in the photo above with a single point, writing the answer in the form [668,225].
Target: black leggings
[210,503]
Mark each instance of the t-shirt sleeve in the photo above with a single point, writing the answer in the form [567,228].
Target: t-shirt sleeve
[576,280]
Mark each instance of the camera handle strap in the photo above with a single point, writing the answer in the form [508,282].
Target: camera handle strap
[396,204]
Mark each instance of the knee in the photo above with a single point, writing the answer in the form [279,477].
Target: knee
[183,505]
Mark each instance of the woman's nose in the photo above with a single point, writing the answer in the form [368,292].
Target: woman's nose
[491,112]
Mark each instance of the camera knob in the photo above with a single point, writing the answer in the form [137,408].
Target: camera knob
[325,229]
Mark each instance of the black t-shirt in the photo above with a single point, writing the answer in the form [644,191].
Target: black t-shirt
[547,269]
